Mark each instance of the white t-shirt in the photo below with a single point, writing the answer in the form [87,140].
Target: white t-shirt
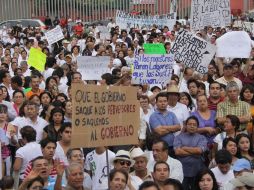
[59,154]
[96,163]
[27,153]
[219,139]
[135,182]
[221,178]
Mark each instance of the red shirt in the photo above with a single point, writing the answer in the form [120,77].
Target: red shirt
[213,105]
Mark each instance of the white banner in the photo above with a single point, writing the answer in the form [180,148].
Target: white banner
[126,21]
[193,51]
[104,33]
[54,35]
[236,44]
[215,13]
[92,68]
[152,69]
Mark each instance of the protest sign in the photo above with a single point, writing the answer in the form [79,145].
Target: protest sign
[92,68]
[246,26]
[152,69]
[126,21]
[54,35]
[193,51]
[104,116]
[236,44]
[215,13]
[37,59]
[104,33]
[154,49]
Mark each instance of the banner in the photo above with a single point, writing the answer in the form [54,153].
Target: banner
[104,116]
[126,21]
[193,51]
[54,35]
[154,48]
[215,13]
[152,69]
[37,59]
[104,33]
[236,44]
[92,68]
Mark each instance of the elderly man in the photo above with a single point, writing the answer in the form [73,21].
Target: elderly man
[233,106]
[160,153]
[123,161]
[140,166]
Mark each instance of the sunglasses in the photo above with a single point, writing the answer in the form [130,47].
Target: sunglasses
[122,162]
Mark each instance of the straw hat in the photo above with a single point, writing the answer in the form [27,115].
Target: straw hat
[138,152]
[173,89]
[123,155]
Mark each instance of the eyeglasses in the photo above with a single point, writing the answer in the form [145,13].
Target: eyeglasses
[122,162]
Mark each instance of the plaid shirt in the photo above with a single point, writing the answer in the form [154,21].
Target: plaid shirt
[239,109]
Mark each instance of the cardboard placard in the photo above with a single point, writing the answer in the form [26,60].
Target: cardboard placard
[54,35]
[152,69]
[104,116]
[215,13]
[91,67]
[37,59]
[154,48]
[193,51]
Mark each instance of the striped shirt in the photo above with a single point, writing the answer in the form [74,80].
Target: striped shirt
[239,109]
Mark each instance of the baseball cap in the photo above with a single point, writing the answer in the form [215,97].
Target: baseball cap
[241,164]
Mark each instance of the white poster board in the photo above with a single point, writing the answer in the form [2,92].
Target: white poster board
[104,33]
[92,68]
[126,21]
[54,35]
[193,51]
[152,69]
[236,44]
[215,13]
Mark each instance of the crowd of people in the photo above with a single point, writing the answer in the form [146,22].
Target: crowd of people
[195,133]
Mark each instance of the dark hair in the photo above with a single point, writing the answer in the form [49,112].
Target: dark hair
[251,89]
[37,179]
[62,95]
[147,184]
[18,91]
[8,95]
[46,92]
[238,138]
[214,82]
[48,80]
[17,79]
[193,81]
[108,78]
[3,108]
[53,111]
[193,118]
[182,94]
[145,97]
[22,107]
[161,94]
[164,144]
[227,140]
[114,172]
[223,157]
[3,75]
[46,141]
[75,47]
[7,182]
[160,162]
[28,133]
[174,182]
[234,120]
[201,174]
[64,126]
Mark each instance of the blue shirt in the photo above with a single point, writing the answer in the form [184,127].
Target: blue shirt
[192,164]
[164,119]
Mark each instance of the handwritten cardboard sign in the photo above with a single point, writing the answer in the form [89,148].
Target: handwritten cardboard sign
[235,44]
[215,13]
[104,116]
[92,68]
[193,51]
[54,35]
[37,59]
[126,21]
[152,69]
[154,48]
